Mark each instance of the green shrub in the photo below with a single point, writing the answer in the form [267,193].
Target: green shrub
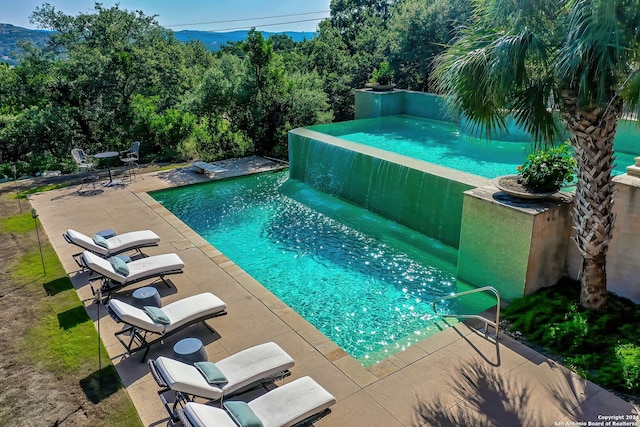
[37,163]
[569,334]
[6,169]
[383,75]
[548,170]
[629,357]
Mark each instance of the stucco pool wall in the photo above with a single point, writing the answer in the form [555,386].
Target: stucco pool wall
[517,247]
[422,196]
[370,104]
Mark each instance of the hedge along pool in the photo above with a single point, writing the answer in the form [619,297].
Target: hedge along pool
[364,281]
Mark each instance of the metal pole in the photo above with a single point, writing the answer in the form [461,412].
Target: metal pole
[98,300]
[15,179]
[34,215]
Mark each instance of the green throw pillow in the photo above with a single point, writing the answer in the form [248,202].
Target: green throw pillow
[100,241]
[119,265]
[156,314]
[242,414]
[211,373]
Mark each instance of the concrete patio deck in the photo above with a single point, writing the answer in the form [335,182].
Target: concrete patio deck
[457,377]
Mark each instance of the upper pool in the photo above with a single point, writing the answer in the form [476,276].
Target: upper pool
[441,143]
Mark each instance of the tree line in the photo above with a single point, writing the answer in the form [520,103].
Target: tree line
[114,76]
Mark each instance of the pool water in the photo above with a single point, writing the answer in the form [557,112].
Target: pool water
[365,282]
[442,143]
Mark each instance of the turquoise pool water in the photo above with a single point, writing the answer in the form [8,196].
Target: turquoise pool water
[365,282]
[442,143]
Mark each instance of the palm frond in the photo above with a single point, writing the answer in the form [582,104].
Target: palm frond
[487,75]
[630,90]
[461,74]
[530,109]
[598,49]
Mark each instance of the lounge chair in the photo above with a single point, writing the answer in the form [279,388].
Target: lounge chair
[178,315]
[242,371]
[131,241]
[300,402]
[157,266]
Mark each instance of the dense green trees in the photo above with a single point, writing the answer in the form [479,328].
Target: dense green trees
[249,103]
[113,76]
[417,32]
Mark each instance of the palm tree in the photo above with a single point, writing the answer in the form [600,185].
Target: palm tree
[532,58]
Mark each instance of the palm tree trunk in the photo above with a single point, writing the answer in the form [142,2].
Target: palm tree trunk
[592,132]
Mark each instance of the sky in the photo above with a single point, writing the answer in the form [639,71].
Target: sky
[279,15]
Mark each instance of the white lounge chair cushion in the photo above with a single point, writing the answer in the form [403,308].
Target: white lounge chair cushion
[179,312]
[86,242]
[281,407]
[241,369]
[132,239]
[116,244]
[291,403]
[138,269]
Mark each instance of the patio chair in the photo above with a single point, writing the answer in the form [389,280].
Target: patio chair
[301,402]
[248,369]
[108,247]
[115,274]
[84,163]
[142,325]
[130,158]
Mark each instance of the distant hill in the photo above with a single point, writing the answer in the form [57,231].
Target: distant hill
[10,34]
[213,41]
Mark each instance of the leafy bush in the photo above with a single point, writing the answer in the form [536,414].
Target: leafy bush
[570,333]
[37,163]
[548,170]
[629,357]
[383,75]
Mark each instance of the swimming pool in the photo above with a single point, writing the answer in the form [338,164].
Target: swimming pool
[442,143]
[364,281]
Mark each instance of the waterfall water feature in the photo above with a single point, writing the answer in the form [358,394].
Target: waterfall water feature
[382,183]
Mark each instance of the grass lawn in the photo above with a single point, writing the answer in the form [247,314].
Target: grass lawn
[49,360]
[603,347]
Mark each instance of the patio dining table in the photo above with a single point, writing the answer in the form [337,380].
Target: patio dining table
[108,156]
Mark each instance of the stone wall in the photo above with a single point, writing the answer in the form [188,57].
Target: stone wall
[623,259]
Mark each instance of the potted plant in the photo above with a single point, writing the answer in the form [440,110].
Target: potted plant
[542,174]
[382,77]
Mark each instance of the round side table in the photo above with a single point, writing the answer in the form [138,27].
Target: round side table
[146,296]
[189,350]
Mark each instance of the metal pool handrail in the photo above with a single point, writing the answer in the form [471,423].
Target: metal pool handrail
[487,322]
